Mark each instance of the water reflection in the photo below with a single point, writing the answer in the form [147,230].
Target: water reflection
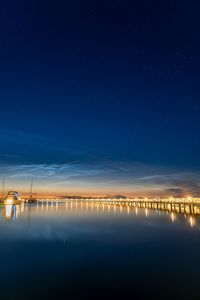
[11,213]
[146,212]
[83,242]
[173,217]
[192,221]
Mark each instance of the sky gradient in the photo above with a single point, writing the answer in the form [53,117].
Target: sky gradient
[100,97]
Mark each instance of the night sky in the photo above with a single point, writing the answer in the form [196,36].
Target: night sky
[100,97]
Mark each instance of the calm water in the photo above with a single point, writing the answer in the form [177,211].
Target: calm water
[74,251]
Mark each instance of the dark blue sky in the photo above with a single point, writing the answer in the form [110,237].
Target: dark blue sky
[100,85]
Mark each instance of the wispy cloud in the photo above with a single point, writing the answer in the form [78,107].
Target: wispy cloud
[115,176]
[28,147]
[12,155]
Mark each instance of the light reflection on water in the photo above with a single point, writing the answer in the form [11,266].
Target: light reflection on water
[97,251]
[12,212]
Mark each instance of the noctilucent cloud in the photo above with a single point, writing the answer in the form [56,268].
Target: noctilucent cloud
[100,97]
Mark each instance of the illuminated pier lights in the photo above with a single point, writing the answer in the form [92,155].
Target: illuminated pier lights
[187,206]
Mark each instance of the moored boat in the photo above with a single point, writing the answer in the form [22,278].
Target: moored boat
[12,197]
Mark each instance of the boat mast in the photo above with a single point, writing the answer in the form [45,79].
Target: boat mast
[31,190]
[2,190]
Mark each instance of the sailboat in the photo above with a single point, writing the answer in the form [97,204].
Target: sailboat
[31,199]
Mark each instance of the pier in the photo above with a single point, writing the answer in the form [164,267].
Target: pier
[188,206]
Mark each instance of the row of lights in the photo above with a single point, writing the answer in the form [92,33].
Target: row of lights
[189,198]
